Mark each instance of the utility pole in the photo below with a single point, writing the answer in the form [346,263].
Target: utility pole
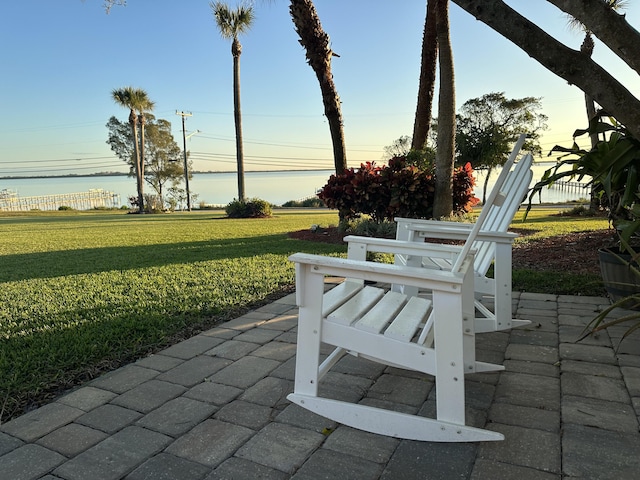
[186,167]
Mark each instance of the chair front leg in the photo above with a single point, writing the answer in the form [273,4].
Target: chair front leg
[450,357]
[309,331]
[503,286]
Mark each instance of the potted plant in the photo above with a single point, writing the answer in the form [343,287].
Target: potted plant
[630,302]
[613,167]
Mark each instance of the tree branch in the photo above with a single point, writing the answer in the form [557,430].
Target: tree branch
[608,25]
[573,66]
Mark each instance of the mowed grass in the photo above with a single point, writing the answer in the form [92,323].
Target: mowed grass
[82,292]
[546,223]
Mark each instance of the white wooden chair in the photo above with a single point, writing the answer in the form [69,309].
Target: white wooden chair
[393,329]
[434,336]
[493,244]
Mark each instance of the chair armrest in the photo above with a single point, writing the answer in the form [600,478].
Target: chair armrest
[401,247]
[448,233]
[420,222]
[458,231]
[382,272]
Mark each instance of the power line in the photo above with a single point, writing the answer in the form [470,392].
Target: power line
[286,145]
[304,159]
[55,160]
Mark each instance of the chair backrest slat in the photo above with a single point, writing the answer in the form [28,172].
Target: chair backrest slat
[501,216]
[491,199]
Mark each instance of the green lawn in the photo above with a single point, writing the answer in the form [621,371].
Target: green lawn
[85,292]
[545,223]
[80,291]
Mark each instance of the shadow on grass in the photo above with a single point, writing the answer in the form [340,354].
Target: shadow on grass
[93,260]
[38,365]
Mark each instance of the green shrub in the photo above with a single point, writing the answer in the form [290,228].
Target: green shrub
[208,206]
[64,207]
[367,227]
[579,211]
[397,190]
[313,202]
[251,208]
[104,208]
[152,203]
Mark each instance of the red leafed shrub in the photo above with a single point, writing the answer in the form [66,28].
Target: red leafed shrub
[396,190]
[463,182]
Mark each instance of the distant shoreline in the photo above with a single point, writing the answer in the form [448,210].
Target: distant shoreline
[120,174]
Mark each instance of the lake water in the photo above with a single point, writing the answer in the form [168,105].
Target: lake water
[221,188]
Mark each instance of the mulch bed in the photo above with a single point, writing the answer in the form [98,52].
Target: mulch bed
[574,252]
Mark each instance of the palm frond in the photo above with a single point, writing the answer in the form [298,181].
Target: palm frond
[617,5]
[232,23]
[122,96]
[135,99]
[140,100]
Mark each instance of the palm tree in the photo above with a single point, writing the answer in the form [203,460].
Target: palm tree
[231,24]
[318,51]
[429,61]
[137,101]
[586,48]
[443,199]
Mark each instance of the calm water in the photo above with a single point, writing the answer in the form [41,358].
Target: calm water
[221,188]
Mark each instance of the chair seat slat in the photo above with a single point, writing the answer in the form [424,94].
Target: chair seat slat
[406,324]
[338,295]
[382,313]
[357,306]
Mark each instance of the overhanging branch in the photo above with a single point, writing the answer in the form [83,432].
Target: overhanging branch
[609,26]
[571,65]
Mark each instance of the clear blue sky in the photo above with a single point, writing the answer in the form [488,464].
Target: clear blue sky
[61,60]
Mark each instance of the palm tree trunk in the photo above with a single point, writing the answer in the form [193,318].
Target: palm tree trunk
[486,185]
[422,122]
[443,198]
[236,51]
[591,113]
[141,167]
[318,52]
[587,48]
[133,121]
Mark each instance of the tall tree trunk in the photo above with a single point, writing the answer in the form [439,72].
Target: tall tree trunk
[236,51]
[428,65]
[142,163]
[133,121]
[486,185]
[587,49]
[571,65]
[591,113]
[443,198]
[318,52]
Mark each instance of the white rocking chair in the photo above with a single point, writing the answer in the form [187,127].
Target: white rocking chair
[435,336]
[493,244]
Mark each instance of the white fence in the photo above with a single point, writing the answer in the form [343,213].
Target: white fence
[97,198]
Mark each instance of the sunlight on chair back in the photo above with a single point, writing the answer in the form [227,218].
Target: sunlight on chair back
[490,200]
[500,217]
